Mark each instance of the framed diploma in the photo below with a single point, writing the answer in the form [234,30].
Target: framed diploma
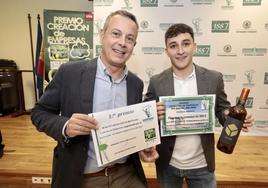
[188,115]
[124,131]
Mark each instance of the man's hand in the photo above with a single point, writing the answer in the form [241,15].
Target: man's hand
[80,124]
[149,155]
[160,106]
[249,121]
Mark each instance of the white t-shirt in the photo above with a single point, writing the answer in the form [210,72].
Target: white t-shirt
[188,152]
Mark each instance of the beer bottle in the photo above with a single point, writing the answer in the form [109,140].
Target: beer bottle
[233,124]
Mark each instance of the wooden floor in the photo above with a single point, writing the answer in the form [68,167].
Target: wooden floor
[28,153]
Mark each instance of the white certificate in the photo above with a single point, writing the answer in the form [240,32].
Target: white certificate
[188,115]
[124,131]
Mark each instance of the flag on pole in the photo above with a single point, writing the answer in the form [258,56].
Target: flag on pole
[39,59]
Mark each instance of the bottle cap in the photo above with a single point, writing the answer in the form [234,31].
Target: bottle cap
[244,93]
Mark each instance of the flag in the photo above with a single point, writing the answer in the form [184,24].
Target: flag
[39,60]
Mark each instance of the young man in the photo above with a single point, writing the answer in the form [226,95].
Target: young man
[187,156]
[84,87]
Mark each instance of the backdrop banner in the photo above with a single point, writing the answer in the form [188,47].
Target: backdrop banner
[68,37]
[231,37]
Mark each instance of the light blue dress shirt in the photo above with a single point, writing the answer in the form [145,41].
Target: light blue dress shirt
[108,94]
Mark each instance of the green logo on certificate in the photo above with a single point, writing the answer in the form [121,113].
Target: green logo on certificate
[103,147]
[149,134]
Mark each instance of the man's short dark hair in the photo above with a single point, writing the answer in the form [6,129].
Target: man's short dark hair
[121,13]
[176,29]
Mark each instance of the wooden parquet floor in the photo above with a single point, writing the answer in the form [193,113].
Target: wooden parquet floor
[28,153]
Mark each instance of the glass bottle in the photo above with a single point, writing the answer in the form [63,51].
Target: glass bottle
[233,124]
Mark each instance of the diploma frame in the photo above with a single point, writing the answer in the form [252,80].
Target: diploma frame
[194,108]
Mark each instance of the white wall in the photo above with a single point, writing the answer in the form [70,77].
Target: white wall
[235,33]
[15,37]
[15,41]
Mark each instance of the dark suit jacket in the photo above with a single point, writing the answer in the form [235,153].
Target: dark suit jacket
[208,82]
[71,91]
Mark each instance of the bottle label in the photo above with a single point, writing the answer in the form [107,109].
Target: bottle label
[231,130]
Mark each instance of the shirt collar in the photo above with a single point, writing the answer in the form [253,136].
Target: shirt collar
[103,70]
[192,75]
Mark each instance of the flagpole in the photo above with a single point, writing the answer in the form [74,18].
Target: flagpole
[31,41]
